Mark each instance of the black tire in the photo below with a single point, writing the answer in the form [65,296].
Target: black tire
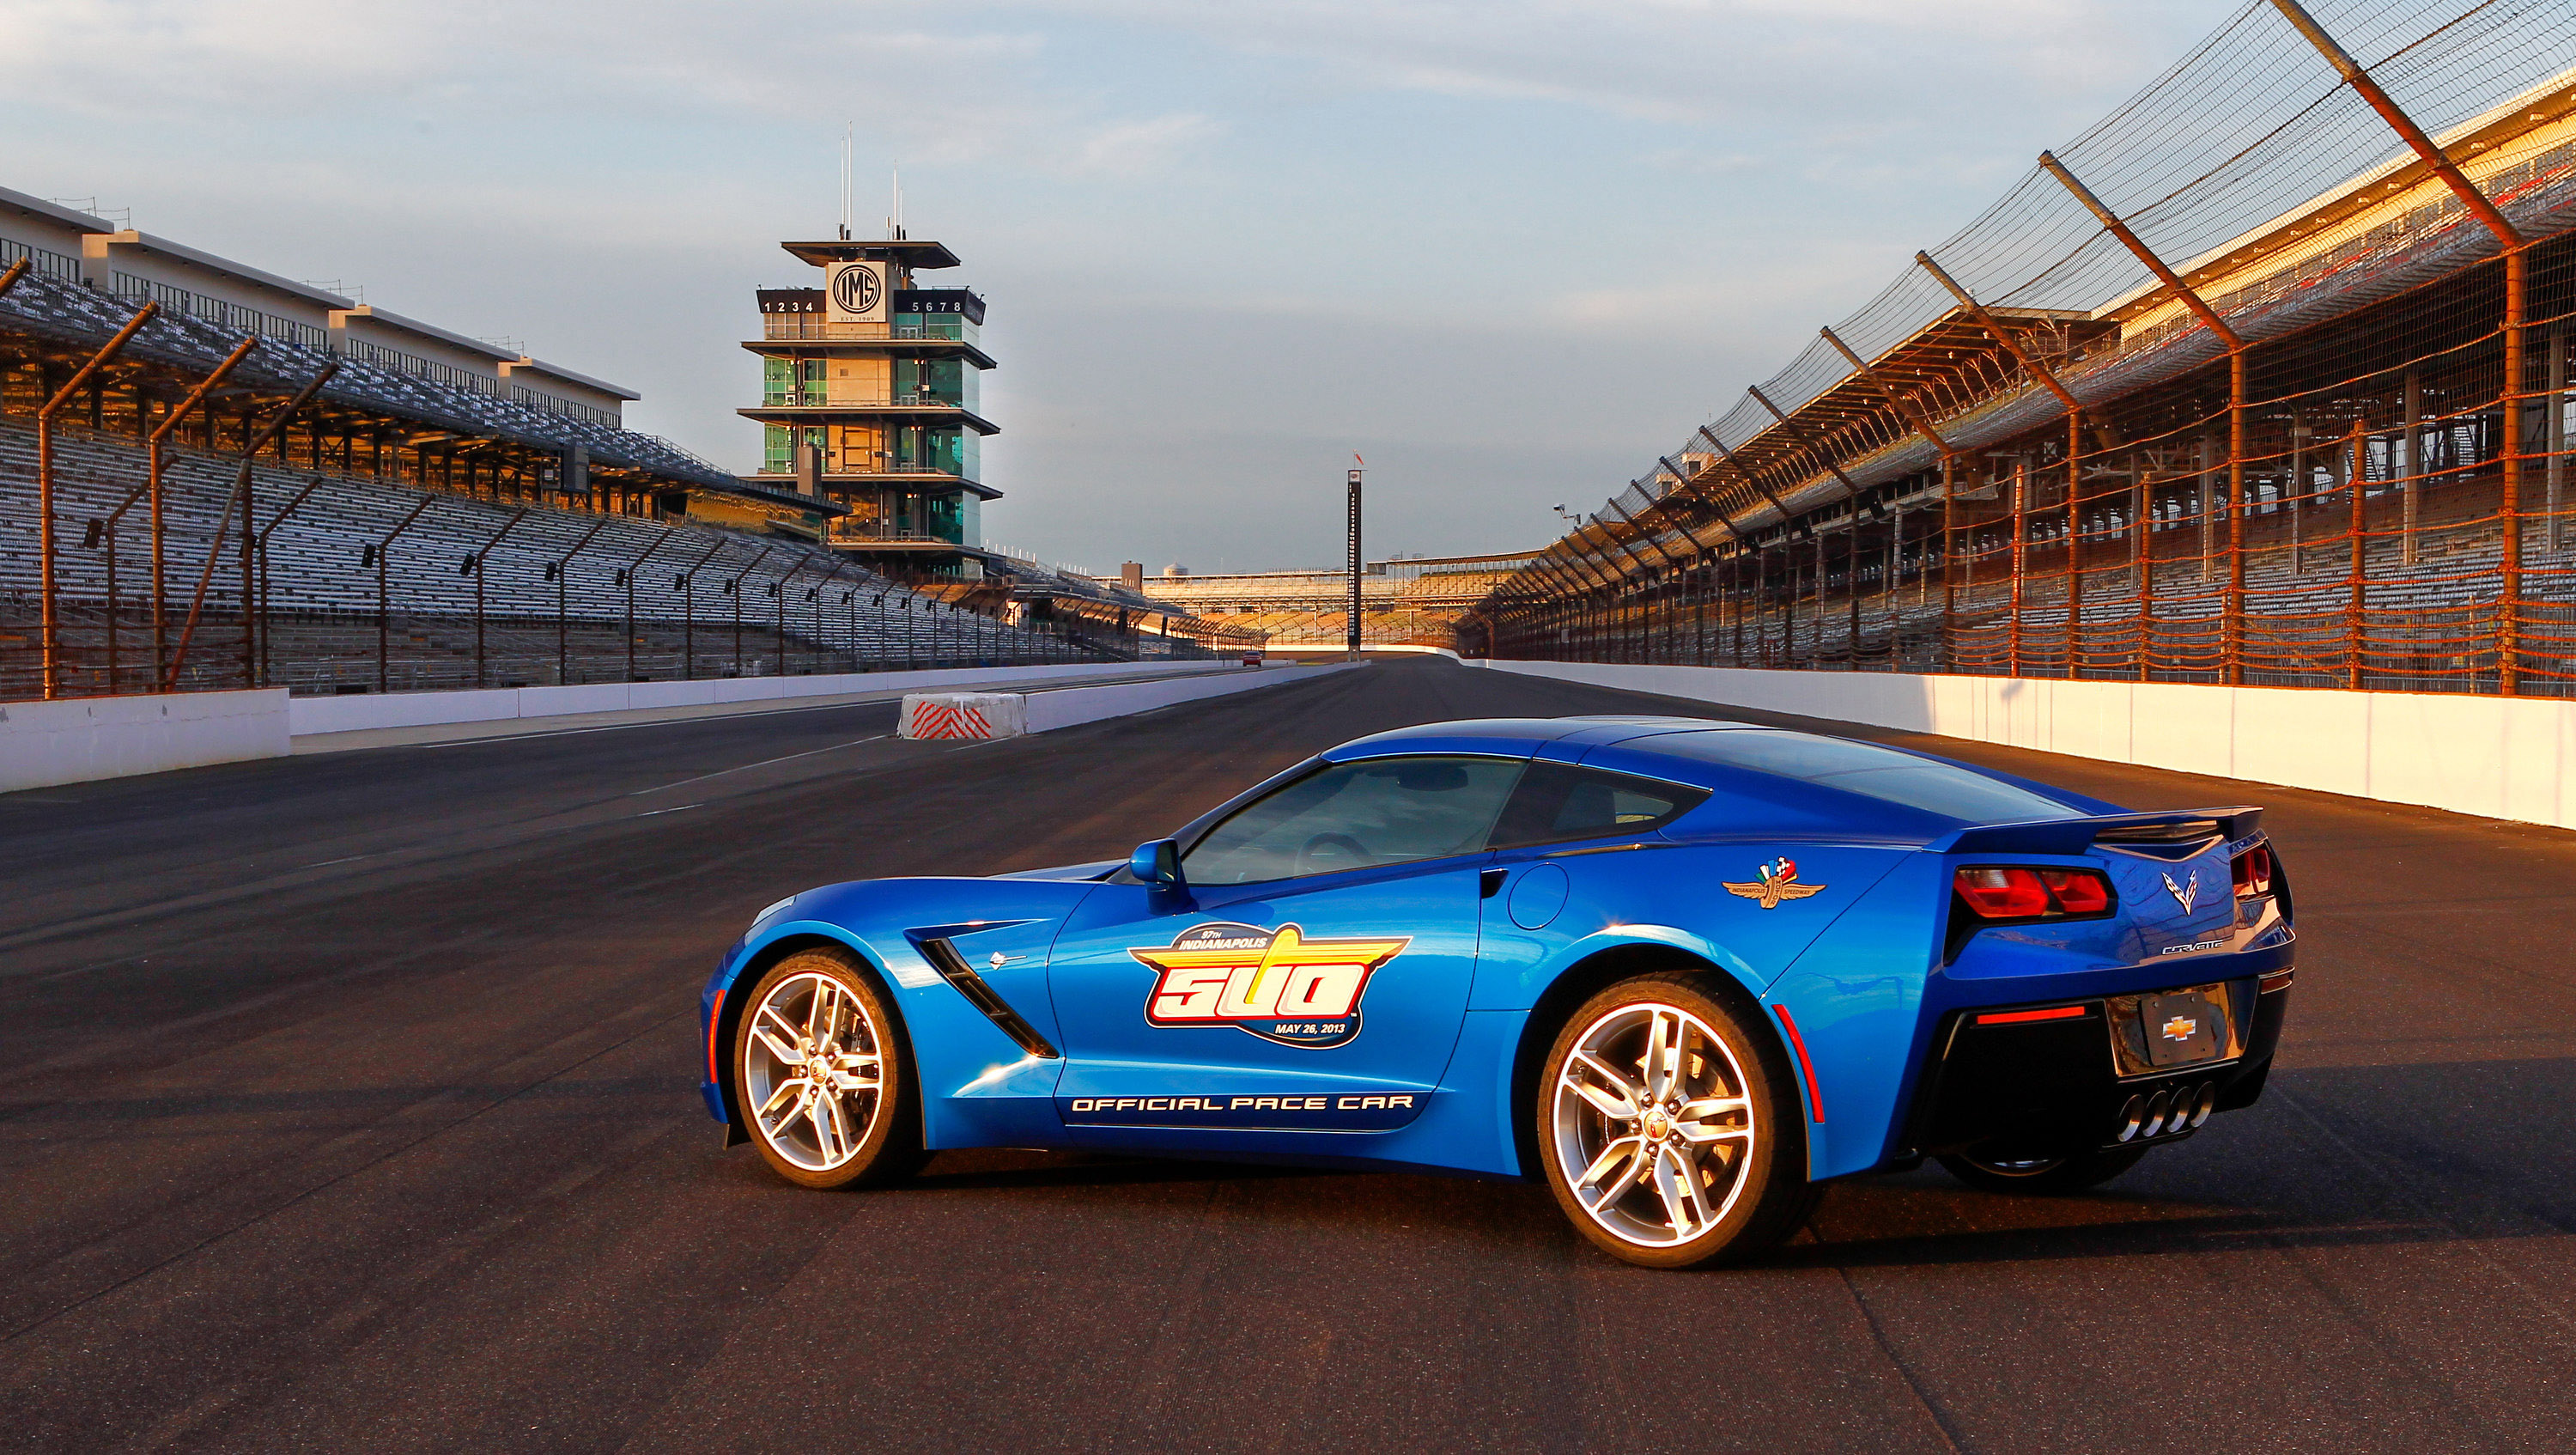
[827,1145]
[1753,1159]
[2044,1176]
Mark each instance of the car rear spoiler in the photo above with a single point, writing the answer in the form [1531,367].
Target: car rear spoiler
[2140,832]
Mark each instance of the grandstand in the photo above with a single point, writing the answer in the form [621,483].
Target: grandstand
[197,493]
[2262,380]
[1403,602]
[360,584]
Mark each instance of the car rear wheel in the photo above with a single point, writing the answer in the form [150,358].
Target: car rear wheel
[1668,1130]
[2044,1175]
[820,1075]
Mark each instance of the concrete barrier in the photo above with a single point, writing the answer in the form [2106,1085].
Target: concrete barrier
[81,739]
[431,709]
[975,715]
[1008,715]
[2499,757]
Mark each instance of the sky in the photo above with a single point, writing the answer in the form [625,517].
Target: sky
[1504,251]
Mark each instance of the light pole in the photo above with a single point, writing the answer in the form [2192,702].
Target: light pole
[1353,551]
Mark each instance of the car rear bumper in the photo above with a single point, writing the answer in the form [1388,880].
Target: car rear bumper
[2010,1082]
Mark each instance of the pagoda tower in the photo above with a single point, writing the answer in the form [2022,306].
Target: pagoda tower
[870,399]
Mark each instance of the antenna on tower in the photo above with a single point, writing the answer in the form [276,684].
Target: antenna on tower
[848,137]
[894,221]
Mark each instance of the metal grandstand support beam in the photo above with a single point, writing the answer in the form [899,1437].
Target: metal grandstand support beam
[154,446]
[1626,585]
[1596,594]
[1672,567]
[381,552]
[627,577]
[2352,622]
[9,279]
[1913,416]
[687,585]
[2231,611]
[49,616]
[562,571]
[2517,288]
[110,525]
[778,589]
[474,563]
[1681,482]
[1947,657]
[1850,490]
[259,544]
[241,495]
[2049,381]
[1726,457]
[733,589]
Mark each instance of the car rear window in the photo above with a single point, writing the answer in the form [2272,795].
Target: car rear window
[1554,802]
[1867,769]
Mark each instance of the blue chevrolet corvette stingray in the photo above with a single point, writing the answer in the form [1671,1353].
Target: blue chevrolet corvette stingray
[1681,971]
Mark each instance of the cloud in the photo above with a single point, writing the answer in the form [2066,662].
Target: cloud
[1134,149]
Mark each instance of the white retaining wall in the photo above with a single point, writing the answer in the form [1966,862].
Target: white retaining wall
[427,709]
[79,739]
[2509,758]
[1066,706]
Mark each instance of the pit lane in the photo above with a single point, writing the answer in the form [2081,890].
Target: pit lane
[349,1100]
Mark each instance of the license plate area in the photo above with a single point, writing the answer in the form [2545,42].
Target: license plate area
[2165,1030]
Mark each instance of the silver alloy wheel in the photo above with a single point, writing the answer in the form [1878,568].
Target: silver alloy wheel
[813,1072]
[1653,1124]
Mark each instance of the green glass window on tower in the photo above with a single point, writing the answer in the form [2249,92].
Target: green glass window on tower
[950,381]
[785,381]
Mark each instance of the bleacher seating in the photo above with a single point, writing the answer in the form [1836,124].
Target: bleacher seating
[800,607]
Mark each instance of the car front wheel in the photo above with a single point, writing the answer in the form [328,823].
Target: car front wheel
[1668,1129]
[820,1075]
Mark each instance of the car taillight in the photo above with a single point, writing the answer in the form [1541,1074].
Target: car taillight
[2252,871]
[2033,893]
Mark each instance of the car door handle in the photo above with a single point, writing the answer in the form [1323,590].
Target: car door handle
[1490,881]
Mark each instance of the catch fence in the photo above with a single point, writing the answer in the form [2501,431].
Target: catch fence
[2264,379]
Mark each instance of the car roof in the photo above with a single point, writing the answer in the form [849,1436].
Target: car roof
[1764,775]
[1519,737]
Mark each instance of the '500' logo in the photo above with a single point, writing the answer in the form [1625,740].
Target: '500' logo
[1275,984]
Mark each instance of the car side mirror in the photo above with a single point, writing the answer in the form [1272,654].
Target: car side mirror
[1157,863]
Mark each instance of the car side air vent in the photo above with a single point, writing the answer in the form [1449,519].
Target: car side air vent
[2174,839]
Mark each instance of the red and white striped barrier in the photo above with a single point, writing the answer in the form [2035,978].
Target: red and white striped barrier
[969,715]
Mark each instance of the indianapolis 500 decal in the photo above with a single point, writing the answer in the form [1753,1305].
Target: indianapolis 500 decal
[1275,984]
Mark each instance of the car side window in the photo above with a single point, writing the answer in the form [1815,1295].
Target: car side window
[1354,816]
[1555,802]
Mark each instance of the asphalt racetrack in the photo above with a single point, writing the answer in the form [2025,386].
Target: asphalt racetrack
[349,1103]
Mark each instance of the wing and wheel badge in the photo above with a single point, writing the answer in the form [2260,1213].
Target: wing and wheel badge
[1778,884]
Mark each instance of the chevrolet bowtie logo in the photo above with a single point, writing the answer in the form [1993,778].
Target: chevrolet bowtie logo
[2181,1028]
[1779,881]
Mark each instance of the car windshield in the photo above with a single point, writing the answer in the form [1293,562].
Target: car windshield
[1867,769]
[1354,816]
